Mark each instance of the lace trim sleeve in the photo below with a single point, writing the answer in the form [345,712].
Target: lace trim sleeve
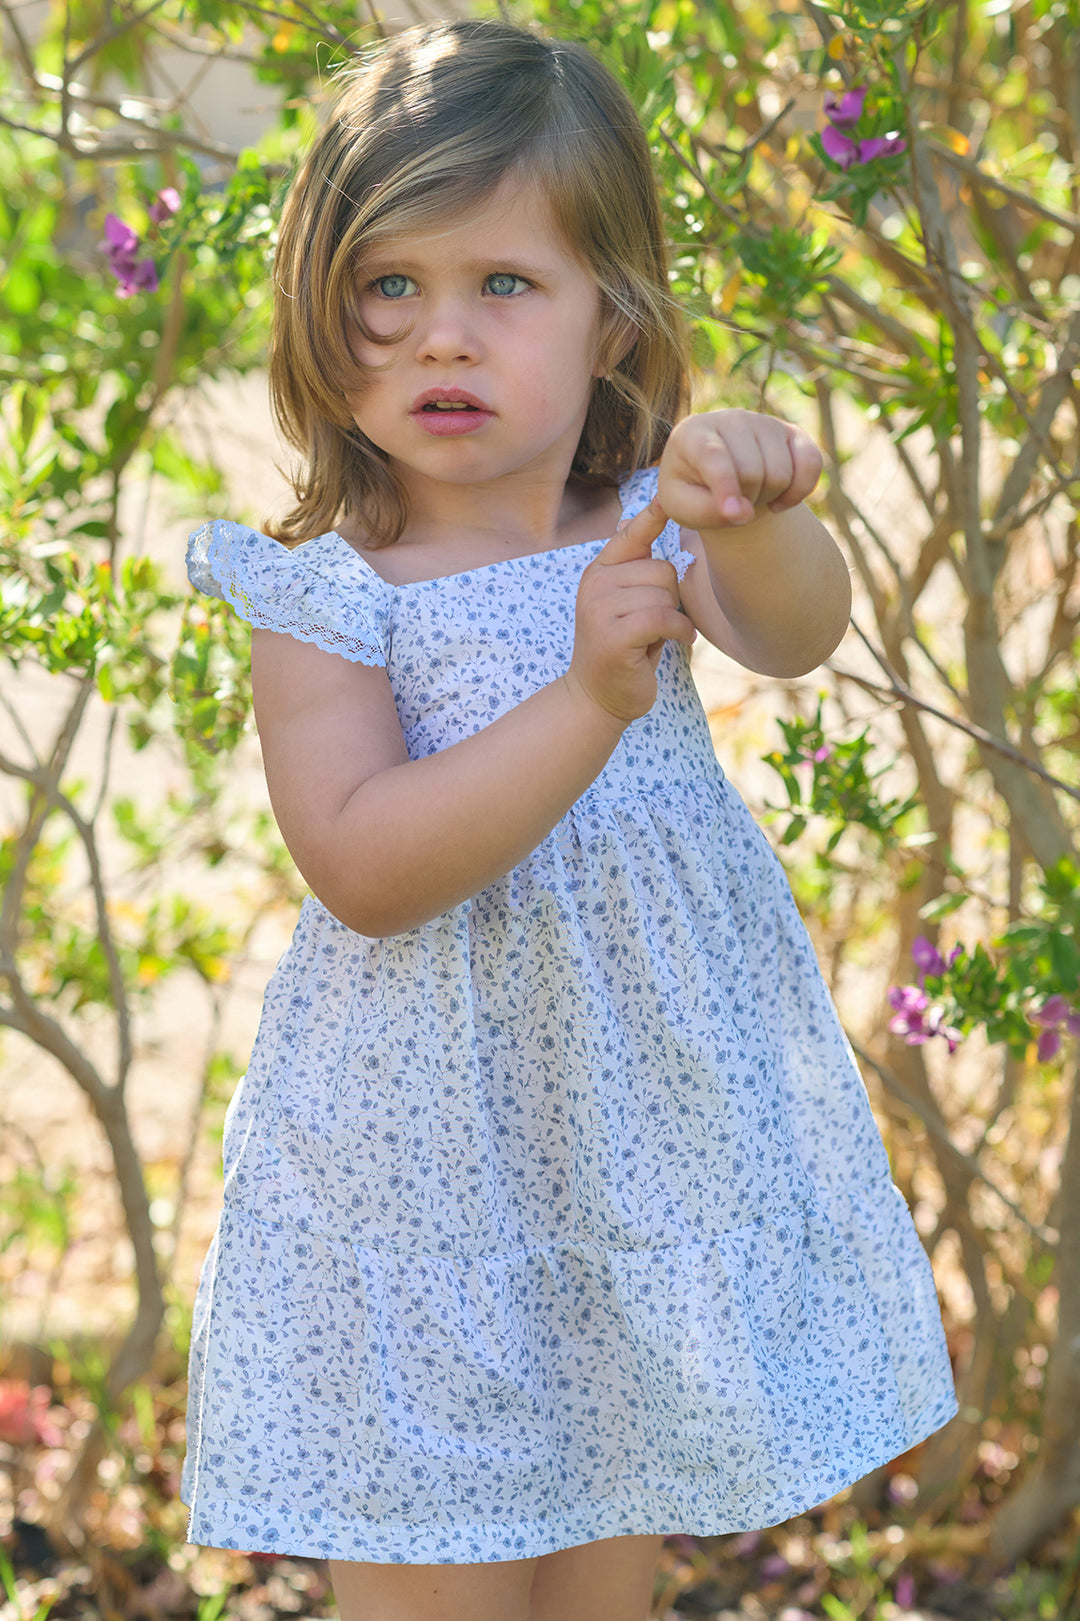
[636,493]
[277,589]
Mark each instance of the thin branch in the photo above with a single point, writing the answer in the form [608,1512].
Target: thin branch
[201,47]
[900,335]
[47,1033]
[107,36]
[47,785]
[22,48]
[24,736]
[1046,1236]
[40,777]
[108,753]
[991,182]
[1051,395]
[168,140]
[899,689]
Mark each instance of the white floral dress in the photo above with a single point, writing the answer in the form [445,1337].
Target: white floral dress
[564,1215]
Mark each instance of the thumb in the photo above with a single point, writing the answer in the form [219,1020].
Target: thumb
[634,536]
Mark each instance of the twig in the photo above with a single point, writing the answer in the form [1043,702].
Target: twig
[1043,1235]
[991,182]
[47,785]
[22,48]
[24,736]
[899,689]
[167,141]
[106,37]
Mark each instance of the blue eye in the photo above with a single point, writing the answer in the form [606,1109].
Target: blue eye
[498,283]
[392,286]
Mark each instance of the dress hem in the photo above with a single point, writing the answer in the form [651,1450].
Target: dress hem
[404,1544]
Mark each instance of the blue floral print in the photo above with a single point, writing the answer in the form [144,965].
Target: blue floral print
[564,1215]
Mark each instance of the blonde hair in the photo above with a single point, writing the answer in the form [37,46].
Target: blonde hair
[428,127]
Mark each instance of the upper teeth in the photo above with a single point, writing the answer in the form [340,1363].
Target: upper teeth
[450,405]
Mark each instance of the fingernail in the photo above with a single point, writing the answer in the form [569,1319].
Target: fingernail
[732,507]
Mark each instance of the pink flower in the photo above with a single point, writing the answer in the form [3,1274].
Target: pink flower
[910,1003]
[1055,1015]
[912,1020]
[843,114]
[24,1415]
[847,109]
[846,152]
[120,247]
[928,959]
[936,1027]
[167,204]
[904,1589]
[879,146]
[1053,1011]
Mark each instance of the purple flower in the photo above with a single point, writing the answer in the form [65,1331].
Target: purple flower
[936,1027]
[1054,1011]
[120,247]
[879,146]
[843,114]
[167,204]
[845,152]
[910,1003]
[912,1020]
[846,110]
[928,959]
[904,1590]
[1054,1014]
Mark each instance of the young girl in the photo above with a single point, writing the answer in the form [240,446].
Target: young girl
[556,1219]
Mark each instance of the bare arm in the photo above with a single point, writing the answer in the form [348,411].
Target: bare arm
[385,842]
[776,594]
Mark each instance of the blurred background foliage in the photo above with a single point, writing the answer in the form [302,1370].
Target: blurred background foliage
[874,212]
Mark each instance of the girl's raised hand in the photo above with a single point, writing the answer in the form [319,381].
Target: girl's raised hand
[724,468]
[627,608]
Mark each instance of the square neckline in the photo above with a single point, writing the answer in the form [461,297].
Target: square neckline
[480,568]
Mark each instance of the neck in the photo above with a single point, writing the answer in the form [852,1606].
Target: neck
[528,511]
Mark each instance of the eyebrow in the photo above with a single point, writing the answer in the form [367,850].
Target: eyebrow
[399,262]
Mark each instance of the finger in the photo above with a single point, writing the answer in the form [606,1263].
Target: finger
[733,471]
[634,536]
[779,470]
[807,464]
[717,470]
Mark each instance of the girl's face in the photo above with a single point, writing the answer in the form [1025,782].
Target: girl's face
[503,331]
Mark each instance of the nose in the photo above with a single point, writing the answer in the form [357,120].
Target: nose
[446,332]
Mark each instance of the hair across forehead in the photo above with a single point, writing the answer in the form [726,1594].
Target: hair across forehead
[439,118]
[425,129]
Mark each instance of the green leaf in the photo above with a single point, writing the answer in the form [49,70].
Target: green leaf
[942,906]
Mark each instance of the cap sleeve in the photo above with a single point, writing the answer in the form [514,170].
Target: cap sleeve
[635,493]
[299,592]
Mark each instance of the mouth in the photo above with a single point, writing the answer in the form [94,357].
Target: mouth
[447,401]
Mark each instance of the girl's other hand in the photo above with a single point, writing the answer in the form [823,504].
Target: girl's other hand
[724,468]
[627,608]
